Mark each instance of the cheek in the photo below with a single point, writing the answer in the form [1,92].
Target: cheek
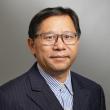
[73,52]
[42,52]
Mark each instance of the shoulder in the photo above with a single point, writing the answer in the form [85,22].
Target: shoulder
[84,82]
[13,93]
[14,85]
[94,89]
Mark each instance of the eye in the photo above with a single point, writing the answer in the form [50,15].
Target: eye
[68,37]
[49,37]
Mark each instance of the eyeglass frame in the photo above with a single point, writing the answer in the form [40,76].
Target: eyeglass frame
[76,35]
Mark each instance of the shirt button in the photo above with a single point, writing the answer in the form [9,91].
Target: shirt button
[62,90]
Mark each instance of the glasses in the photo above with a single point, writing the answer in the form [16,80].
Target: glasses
[49,38]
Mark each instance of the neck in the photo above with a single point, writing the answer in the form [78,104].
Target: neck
[61,76]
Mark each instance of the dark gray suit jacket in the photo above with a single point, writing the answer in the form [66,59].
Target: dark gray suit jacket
[30,92]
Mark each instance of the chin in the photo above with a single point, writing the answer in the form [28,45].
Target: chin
[60,68]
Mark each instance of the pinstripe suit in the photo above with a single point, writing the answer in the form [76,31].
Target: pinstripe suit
[30,92]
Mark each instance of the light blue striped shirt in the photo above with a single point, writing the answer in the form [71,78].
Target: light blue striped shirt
[63,91]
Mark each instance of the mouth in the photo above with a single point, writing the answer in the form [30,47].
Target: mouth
[59,58]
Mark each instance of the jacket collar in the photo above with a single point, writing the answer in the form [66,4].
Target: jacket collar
[41,94]
[81,94]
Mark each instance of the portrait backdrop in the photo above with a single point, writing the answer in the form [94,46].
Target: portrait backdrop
[93,59]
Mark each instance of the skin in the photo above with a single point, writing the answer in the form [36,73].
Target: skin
[56,59]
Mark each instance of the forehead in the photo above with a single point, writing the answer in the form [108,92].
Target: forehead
[57,23]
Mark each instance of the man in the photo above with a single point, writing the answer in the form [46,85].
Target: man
[54,35]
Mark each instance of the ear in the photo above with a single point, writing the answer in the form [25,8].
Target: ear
[31,45]
[78,43]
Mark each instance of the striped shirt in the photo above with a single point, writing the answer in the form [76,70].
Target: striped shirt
[63,91]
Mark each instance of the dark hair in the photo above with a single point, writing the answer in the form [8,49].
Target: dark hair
[42,15]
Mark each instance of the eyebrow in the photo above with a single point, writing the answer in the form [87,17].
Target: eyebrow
[53,32]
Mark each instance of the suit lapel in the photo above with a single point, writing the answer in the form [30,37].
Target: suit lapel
[40,92]
[81,95]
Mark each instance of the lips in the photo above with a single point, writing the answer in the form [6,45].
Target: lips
[59,55]
[63,56]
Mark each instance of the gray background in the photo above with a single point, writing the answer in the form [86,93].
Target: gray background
[93,60]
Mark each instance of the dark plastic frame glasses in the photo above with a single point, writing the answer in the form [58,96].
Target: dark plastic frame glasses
[50,38]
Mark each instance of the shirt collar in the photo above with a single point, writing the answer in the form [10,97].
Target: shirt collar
[55,84]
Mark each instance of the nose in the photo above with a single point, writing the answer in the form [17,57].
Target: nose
[59,44]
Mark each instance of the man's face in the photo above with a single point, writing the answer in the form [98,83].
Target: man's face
[59,56]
